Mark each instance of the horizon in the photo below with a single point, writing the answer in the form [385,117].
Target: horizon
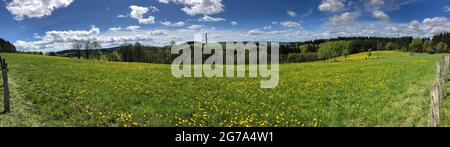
[46,26]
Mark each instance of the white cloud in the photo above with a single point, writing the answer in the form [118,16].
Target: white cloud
[414,25]
[153,9]
[138,12]
[290,24]
[207,18]
[35,8]
[430,25]
[391,29]
[436,25]
[255,32]
[343,19]
[194,27]
[115,29]
[58,40]
[446,9]
[122,16]
[376,2]
[234,23]
[291,13]
[195,7]
[133,28]
[381,15]
[170,24]
[267,27]
[36,36]
[331,5]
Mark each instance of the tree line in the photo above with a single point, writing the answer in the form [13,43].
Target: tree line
[326,49]
[6,46]
[290,52]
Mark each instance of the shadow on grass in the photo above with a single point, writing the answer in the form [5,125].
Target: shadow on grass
[4,112]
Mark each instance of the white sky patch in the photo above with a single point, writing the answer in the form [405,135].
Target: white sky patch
[446,9]
[290,24]
[381,15]
[170,24]
[35,8]
[194,27]
[376,2]
[331,5]
[36,36]
[122,16]
[195,7]
[391,29]
[343,19]
[234,23]
[267,27]
[138,12]
[207,18]
[436,25]
[133,28]
[291,13]
[255,32]
[115,29]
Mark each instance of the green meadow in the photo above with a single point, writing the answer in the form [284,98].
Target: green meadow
[392,90]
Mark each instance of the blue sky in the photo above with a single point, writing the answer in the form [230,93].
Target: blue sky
[50,25]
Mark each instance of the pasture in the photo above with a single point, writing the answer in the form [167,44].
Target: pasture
[390,91]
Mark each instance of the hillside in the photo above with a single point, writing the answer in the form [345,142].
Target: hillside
[71,92]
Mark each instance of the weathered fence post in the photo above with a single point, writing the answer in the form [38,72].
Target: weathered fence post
[438,92]
[6,98]
[434,106]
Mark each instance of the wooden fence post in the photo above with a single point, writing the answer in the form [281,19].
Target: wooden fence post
[438,92]
[6,98]
[434,106]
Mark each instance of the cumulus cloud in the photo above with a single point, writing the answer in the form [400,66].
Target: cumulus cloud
[170,24]
[115,29]
[381,15]
[138,12]
[59,40]
[194,27]
[414,25]
[207,18]
[234,23]
[430,26]
[436,25]
[290,24]
[291,13]
[133,28]
[331,5]
[195,7]
[343,19]
[35,8]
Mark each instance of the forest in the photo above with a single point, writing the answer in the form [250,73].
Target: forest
[6,46]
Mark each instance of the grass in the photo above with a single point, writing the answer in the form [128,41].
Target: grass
[23,115]
[71,92]
[375,55]
[445,108]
